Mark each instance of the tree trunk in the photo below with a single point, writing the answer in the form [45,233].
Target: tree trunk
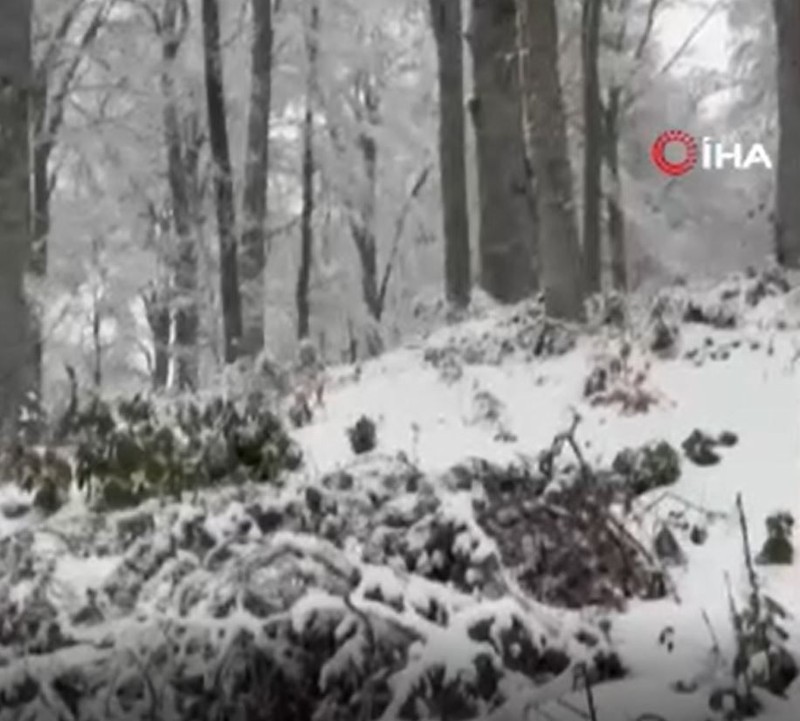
[508,233]
[184,262]
[616,214]
[447,27]
[307,215]
[156,296]
[546,140]
[256,173]
[223,182]
[187,313]
[787,210]
[593,136]
[42,150]
[15,223]
[40,220]
[157,309]
[362,227]
[97,320]
[160,326]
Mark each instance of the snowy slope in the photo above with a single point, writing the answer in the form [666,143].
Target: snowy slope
[755,393]
[752,392]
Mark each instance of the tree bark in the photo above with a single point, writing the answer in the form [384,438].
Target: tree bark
[787,208]
[616,213]
[307,214]
[362,227]
[159,319]
[256,174]
[184,262]
[42,150]
[186,302]
[447,28]
[223,182]
[16,338]
[546,141]
[362,205]
[508,230]
[593,138]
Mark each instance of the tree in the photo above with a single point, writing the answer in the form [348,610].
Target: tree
[307,177]
[254,207]
[181,175]
[447,28]
[593,143]
[619,99]
[155,298]
[377,108]
[15,203]
[787,209]
[546,141]
[507,236]
[223,182]
[54,78]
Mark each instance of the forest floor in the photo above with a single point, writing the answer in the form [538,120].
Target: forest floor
[492,388]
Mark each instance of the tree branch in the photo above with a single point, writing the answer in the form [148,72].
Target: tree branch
[422,178]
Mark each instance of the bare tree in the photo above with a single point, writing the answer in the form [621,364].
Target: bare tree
[223,182]
[448,30]
[256,173]
[15,202]
[787,210]
[617,100]
[360,202]
[507,237]
[546,140]
[50,94]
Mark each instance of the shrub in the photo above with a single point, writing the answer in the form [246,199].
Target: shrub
[130,451]
[363,436]
[649,467]
[778,549]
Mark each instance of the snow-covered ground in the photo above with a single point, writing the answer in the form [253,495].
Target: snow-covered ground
[753,392]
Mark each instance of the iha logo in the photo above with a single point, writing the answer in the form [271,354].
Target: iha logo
[712,154]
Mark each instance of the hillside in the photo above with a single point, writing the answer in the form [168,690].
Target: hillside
[451,571]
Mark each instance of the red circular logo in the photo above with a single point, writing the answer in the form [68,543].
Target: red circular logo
[657,152]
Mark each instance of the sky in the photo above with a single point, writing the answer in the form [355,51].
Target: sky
[710,49]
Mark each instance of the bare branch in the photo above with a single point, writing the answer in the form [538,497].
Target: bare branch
[400,227]
[60,34]
[676,56]
[652,9]
[56,117]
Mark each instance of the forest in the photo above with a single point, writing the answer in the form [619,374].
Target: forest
[399,359]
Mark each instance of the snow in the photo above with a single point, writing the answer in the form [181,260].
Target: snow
[12,496]
[753,394]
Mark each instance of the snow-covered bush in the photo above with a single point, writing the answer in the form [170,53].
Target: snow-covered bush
[762,659]
[616,380]
[525,334]
[132,450]
[778,548]
[285,626]
[363,435]
[652,466]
